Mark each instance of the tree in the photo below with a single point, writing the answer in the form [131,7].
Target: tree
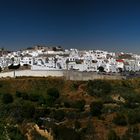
[28,110]
[132,133]
[53,92]
[65,133]
[55,61]
[77,125]
[133,116]
[101,69]
[54,49]
[120,70]
[95,108]
[0,69]
[15,134]
[120,119]
[33,97]
[7,98]
[58,115]
[14,66]
[98,87]
[2,132]
[80,104]
[18,94]
[89,131]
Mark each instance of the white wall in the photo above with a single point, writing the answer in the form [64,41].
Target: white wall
[32,73]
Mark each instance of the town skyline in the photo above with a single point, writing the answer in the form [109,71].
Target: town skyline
[2,48]
[86,24]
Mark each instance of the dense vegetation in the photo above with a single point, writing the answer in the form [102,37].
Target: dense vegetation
[75,110]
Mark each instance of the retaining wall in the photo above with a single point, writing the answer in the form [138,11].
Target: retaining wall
[84,76]
[69,75]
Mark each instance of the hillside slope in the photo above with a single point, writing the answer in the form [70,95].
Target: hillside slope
[75,110]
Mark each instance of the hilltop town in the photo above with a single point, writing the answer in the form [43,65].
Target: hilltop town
[60,94]
[56,58]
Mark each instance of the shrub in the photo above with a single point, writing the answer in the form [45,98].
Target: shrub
[74,86]
[72,115]
[120,119]
[22,110]
[77,125]
[58,115]
[132,133]
[108,99]
[18,94]
[66,104]
[41,100]
[53,92]
[15,134]
[132,119]
[108,109]
[112,135]
[125,137]
[25,96]
[95,108]
[49,101]
[64,133]
[98,88]
[33,97]
[132,100]
[7,98]
[132,105]
[28,110]
[133,116]
[79,104]
[89,131]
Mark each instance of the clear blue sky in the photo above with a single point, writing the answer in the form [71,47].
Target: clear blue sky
[112,25]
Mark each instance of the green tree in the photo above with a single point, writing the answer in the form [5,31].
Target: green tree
[120,119]
[133,116]
[95,108]
[52,96]
[2,132]
[98,88]
[14,133]
[64,133]
[0,69]
[28,110]
[89,131]
[18,94]
[77,125]
[132,133]
[58,115]
[53,92]
[22,110]
[79,104]
[33,97]
[101,69]
[7,98]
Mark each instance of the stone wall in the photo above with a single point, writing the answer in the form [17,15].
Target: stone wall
[84,76]
[69,75]
[37,73]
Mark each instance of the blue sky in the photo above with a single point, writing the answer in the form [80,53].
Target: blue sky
[112,25]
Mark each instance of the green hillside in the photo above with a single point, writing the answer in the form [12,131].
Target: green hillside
[69,110]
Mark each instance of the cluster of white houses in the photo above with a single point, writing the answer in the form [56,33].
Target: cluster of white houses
[56,58]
